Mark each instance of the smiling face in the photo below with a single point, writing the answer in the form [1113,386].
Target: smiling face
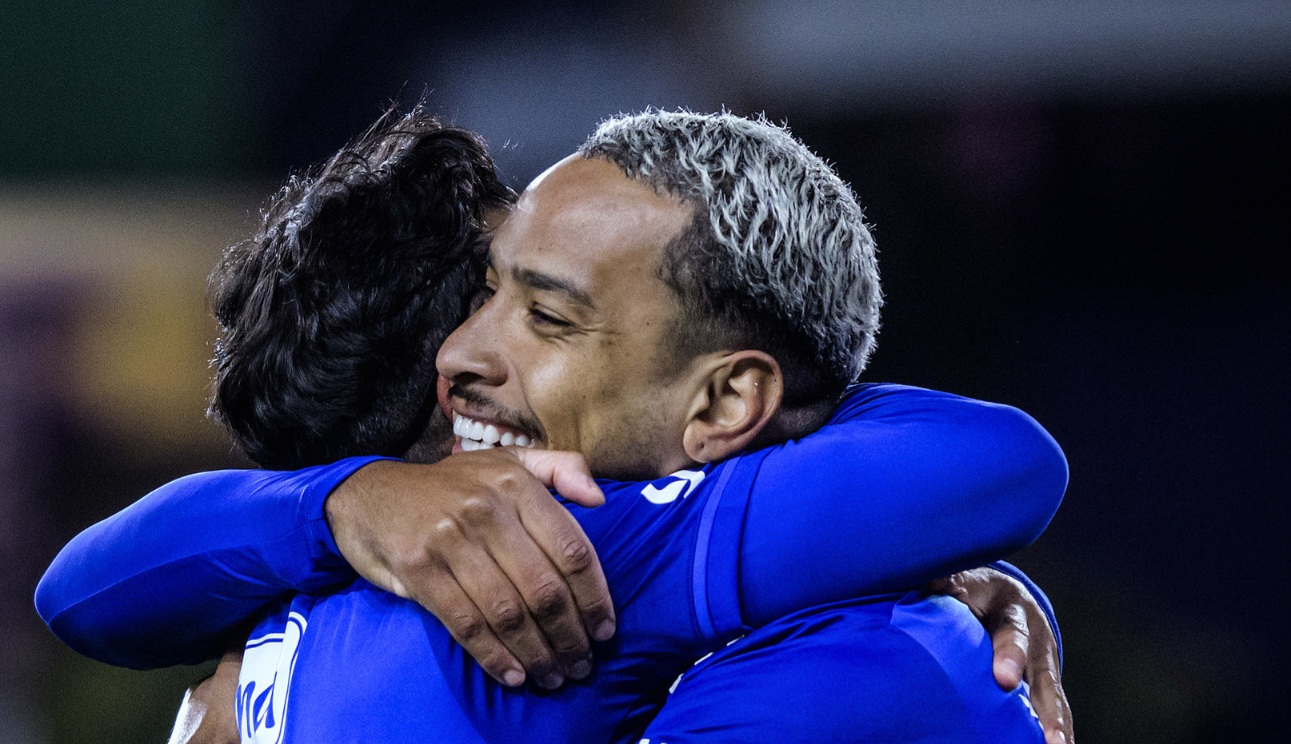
[569,349]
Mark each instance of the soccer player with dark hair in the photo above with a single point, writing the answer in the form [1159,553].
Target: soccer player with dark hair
[332,313]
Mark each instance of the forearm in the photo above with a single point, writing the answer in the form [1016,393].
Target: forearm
[167,579]
[911,487]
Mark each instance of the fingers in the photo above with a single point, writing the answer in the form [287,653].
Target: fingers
[191,711]
[507,604]
[207,716]
[1045,679]
[553,564]
[1024,645]
[1051,707]
[939,586]
[994,600]
[479,542]
[509,611]
[572,555]
[566,472]
[548,594]
[220,725]
[440,593]
[1011,640]
[539,616]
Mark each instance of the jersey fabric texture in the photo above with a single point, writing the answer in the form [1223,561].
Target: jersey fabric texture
[901,668]
[902,486]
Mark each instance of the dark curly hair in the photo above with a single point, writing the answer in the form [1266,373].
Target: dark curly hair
[331,315]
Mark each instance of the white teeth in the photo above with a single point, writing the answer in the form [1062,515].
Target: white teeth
[477,435]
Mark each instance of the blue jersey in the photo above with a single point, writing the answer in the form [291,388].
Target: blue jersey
[900,668]
[903,486]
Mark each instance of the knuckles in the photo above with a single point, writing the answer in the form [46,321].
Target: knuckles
[466,627]
[418,557]
[506,617]
[478,511]
[446,527]
[548,600]
[601,609]
[539,666]
[576,555]
[507,481]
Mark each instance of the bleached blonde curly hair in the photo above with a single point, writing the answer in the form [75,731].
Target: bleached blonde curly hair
[779,255]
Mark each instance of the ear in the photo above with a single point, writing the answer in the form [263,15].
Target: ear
[740,395]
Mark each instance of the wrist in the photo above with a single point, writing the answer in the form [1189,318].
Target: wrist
[331,504]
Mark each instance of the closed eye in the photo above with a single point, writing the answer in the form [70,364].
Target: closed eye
[479,298]
[544,318]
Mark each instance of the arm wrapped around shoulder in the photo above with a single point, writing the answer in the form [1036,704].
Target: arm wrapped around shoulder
[903,486]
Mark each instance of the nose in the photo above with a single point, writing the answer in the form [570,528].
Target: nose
[469,354]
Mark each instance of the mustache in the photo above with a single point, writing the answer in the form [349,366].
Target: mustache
[497,412]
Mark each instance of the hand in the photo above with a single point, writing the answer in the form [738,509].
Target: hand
[478,541]
[1025,647]
[207,714]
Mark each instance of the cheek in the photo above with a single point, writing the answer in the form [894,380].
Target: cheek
[632,440]
[592,394]
[558,390]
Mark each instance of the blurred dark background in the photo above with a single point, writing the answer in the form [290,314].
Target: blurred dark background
[1082,210]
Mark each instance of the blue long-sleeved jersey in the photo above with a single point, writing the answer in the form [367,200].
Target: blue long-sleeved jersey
[903,486]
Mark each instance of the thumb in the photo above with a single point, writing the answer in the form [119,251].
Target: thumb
[567,472]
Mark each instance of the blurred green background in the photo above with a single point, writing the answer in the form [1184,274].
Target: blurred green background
[1082,210]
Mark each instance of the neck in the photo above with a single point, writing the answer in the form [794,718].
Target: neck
[795,422]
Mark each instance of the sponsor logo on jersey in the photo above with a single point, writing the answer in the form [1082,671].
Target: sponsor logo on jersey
[265,682]
[683,482]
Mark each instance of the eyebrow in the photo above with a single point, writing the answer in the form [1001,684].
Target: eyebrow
[549,283]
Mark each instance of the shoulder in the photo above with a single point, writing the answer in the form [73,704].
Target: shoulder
[861,670]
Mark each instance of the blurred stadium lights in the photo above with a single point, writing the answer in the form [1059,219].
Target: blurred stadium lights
[538,83]
[865,55]
[535,97]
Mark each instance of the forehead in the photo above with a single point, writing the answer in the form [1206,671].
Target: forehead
[585,220]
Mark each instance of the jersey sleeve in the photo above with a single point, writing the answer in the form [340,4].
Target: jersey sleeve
[903,486]
[167,579]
